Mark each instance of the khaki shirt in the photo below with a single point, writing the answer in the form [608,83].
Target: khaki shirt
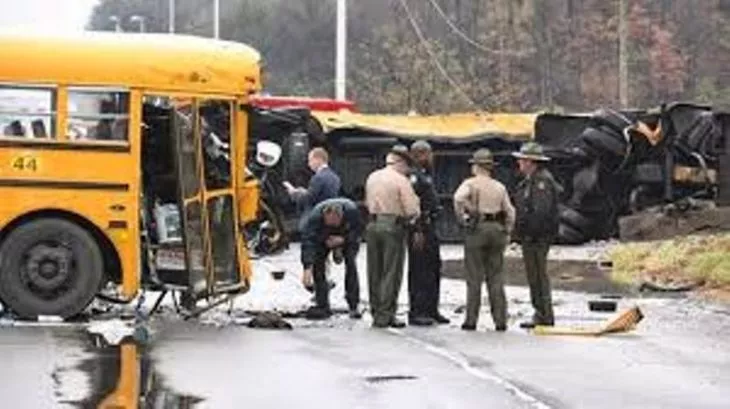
[389,192]
[488,194]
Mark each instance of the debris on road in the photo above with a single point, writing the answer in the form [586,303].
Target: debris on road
[269,320]
[625,322]
[602,305]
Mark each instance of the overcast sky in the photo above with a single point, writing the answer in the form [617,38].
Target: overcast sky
[46,15]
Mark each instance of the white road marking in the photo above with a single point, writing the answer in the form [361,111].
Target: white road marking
[464,364]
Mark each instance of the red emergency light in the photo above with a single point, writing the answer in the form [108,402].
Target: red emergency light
[314,104]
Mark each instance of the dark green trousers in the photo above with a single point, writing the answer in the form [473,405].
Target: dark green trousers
[484,258]
[535,257]
[385,257]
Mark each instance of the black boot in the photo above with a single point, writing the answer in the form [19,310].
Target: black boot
[440,319]
[421,321]
[318,313]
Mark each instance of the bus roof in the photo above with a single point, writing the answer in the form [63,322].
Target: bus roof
[458,127]
[166,62]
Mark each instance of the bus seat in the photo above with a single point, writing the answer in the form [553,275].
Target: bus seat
[39,129]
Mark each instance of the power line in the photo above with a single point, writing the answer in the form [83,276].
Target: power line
[434,58]
[465,37]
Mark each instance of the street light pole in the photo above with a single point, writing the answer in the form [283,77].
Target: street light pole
[171,15]
[341,50]
[216,18]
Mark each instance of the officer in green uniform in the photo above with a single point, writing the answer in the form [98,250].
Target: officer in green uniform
[393,207]
[536,200]
[484,207]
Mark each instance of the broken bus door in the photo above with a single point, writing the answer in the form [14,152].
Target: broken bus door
[208,214]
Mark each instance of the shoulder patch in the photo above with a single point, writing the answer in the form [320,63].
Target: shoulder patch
[413,179]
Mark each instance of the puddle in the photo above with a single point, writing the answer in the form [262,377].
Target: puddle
[121,374]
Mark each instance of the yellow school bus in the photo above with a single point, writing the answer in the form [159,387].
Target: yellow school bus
[122,165]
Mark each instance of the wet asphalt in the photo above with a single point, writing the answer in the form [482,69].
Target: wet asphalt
[678,357]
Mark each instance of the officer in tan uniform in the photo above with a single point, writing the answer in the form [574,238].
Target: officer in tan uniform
[393,208]
[483,205]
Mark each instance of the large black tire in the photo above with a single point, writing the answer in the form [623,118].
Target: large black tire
[568,235]
[575,220]
[612,119]
[605,141]
[584,181]
[49,267]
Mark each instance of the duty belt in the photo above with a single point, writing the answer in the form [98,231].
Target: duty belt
[387,218]
[489,217]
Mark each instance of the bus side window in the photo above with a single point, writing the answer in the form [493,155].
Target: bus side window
[97,114]
[27,112]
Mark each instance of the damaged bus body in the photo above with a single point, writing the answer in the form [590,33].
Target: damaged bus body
[357,144]
[611,164]
[122,167]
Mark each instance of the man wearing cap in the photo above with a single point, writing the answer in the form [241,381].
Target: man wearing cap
[333,223]
[424,258]
[483,205]
[393,207]
[536,200]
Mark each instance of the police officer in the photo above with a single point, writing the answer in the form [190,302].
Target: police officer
[536,200]
[393,207]
[483,205]
[424,258]
[332,224]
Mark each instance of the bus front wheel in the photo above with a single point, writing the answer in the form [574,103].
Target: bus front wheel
[49,266]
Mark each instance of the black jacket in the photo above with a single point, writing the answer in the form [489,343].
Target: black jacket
[315,232]
[536,202]
[323,185]
[423,185]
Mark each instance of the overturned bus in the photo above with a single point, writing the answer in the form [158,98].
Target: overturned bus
[609,163]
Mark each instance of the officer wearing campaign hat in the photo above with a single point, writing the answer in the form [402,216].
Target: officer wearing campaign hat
[393,207]
[536,200]
[484,207]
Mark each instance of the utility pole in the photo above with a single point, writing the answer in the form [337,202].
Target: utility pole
[171,15]
[623,56]
[216,19]
[341,51]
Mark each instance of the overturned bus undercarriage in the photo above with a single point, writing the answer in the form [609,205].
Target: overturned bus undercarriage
[609,163]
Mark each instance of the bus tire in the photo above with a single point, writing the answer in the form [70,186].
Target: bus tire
[49,266]
[614,120]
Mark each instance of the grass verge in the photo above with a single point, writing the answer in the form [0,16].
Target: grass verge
[698,259]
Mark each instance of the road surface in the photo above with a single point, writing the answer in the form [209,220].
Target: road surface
[677,358]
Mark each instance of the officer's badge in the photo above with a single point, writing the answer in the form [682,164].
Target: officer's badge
[541,185]
[414,179]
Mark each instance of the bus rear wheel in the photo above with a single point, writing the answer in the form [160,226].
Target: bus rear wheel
[49,267]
